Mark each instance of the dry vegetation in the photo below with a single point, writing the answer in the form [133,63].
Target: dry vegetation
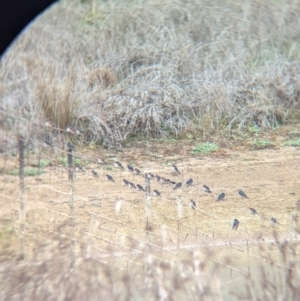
[215,71]
[59,276]
[103,249]
[118,69]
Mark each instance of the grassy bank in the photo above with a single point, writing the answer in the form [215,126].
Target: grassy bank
[121,69]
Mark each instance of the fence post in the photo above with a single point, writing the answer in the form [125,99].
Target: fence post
[147,203]
[72,206]
[22,196]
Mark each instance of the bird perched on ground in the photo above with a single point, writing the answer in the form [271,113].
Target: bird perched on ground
[125,182]
[273,221]
[235,224]
[70,146]
[140,187]
[169,182]
[157,178]
[110,178]
[189,182]
[242,194]
[177,186]
[117,164]
[206,189]
[175,169]
[131,185]
[163,180]
[156,193]
[101,160]
[151,176]
[79,132]
[79,168]
[252,211]
[95,174]
[130,168]
[193,204]
[137,172]
[221,197]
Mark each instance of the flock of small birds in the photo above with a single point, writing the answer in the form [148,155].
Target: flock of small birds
[162,180]
[166,181]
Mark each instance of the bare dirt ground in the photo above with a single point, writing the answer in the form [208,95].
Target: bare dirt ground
[270,178]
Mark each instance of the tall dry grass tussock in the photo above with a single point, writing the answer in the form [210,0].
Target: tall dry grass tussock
[56,273]
[153,68]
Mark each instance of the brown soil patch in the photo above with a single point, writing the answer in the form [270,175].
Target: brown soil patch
[269,177]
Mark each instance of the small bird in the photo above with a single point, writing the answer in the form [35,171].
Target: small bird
[101,160]
[177,186]
[193,204]
[80,168]
[131,185]
[221,197]
[151,175]
[130,168]
[125,182]
[175,169]
[140,187]
[137,172]
[156,193]
[242,194]
[70,130]
[110,178]
[189,182]
[48,123]
[70,146]
[95,174]
[273,221]
[252,211]
[169,182]
[163,180]
[235,224]
[117,164]
[206,189]
[157,178]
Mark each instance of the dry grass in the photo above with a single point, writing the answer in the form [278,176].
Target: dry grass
[121,69]
[107,247]
[57,273]
[118,69]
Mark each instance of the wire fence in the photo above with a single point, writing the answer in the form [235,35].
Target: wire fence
[64,192]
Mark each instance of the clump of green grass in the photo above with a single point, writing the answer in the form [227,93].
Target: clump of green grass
[205,148]
[261,144]
[294,134]
[44,163]
[248,159]
[30,172]
[64,161]
[292,142]
[167,162]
